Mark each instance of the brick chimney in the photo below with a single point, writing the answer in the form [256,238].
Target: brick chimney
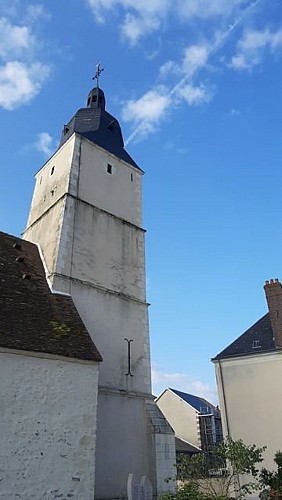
[273,292]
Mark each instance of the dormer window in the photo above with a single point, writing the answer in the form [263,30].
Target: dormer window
[256,344]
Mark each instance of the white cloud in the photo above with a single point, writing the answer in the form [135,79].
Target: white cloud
[135,26]
[207,8]
[194,95]
[252,46]
[139,17]
[147,111]
[167,68]
[195,57]
[35,12]
[150,107]
[14,39]
[45,144]
[182,382]
[21,74]
[20,82]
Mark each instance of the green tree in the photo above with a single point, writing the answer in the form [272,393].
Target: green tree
[210,476]
[272,480]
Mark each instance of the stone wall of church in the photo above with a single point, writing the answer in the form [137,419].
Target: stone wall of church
[102,250]
[109,183]
[47,427]
[110,320]
[124,444]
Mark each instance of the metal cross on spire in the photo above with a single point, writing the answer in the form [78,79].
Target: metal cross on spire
[98,73]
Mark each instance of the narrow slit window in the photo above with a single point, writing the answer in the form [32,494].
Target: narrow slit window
[109,168]
[131,177]
[52,170]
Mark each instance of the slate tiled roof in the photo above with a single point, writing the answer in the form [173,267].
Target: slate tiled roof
[32,318]
[257,339]
[200,404]
[99,127]
[183,446]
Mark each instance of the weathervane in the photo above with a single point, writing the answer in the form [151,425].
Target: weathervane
[98,73]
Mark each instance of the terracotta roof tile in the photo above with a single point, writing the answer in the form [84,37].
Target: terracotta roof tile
[32,318]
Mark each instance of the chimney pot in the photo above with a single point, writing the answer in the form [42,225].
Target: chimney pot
[273,292]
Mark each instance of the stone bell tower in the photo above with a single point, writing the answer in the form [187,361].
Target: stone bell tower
[86,216]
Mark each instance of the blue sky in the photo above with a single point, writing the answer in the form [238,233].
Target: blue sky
[196,86]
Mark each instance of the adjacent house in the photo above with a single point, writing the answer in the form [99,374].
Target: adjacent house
[249,374]
[195,421]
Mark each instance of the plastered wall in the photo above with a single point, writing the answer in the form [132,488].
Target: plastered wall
[47,428]
[181,416]
[250,399]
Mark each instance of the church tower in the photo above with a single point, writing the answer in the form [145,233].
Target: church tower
[86,217]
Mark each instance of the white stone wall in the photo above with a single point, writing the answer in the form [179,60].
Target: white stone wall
[250,399]
[118,193]
[47,428]
[48,208]
[96,256]
[165,462]
[181,416]
[124,444]
[101,250]
[110,319]
[52,181]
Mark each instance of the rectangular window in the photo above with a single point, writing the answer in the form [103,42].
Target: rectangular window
[109,168]
[256,343]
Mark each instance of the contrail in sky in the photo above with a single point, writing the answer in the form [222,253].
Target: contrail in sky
[213,49]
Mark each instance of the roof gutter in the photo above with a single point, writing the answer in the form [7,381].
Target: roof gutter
[224,398]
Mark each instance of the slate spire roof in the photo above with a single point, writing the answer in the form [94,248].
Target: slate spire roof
[257,339]
[32,318]
[98,126]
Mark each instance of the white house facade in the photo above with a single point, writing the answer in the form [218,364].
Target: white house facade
[248,374]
